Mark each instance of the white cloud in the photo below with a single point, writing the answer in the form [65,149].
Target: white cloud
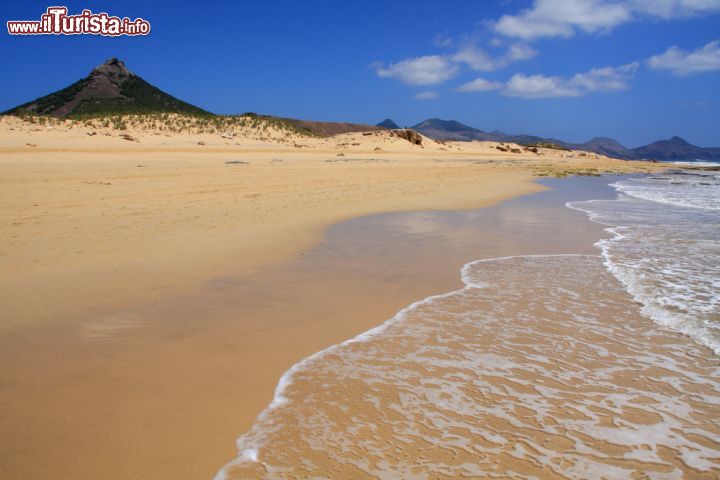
[682,62]
[538,86]
[520,51]
[443,41]
[480,85]
[560,18]
[427,70]
[563,18]
[496,42]
[428,95]
[608,79]
[436,69]
[478,59]
[671,9]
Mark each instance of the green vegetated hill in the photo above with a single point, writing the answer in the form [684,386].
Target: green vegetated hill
[110,89]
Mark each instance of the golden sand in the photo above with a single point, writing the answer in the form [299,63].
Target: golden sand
[113,365]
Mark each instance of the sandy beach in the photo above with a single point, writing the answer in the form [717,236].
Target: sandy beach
[379,241]
[92,220]
[139,333]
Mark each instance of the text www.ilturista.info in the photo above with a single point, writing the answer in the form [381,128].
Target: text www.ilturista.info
[56,21]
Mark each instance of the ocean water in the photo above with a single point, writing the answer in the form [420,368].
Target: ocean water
[665,247]
[541,366]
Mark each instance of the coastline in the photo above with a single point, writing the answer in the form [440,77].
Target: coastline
[134,332]
[169,381]
[295,241]
[290,436]
[94,222]
[127,233]
[185,376]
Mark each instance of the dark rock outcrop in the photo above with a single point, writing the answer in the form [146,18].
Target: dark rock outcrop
[410,135]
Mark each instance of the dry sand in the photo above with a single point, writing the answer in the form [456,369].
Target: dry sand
[122,353]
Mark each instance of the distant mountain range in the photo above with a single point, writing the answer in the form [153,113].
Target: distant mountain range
[665,150]
[111,89]
[675,149]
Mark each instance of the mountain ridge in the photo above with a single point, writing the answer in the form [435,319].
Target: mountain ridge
[671,149]
[112,89]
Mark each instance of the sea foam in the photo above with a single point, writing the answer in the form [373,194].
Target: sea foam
[665,248]
[539,366]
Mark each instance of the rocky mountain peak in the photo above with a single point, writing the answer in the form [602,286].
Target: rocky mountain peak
[113,69]
[678,141]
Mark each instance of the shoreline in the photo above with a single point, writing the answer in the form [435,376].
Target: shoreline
[187,375]
[151,223]
[253,447]
[248,225]
[284,443]
[248,449]
[157,345]
[202,366]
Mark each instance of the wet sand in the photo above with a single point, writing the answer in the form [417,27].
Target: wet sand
[541,367]
[160,389]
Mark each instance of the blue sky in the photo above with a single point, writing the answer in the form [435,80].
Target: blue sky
[634,70]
